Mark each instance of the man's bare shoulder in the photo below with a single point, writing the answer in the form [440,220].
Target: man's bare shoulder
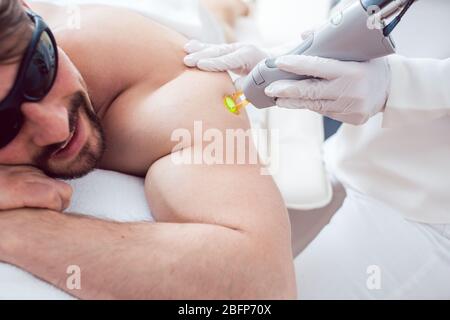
[150,120]
[115,48]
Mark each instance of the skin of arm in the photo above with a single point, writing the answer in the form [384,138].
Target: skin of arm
[222,231]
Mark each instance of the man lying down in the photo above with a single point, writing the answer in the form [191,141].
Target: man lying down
[118,93]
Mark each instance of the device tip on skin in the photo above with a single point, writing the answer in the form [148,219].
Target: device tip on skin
[235,102]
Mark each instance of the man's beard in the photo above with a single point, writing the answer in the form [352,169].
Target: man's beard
[88,158]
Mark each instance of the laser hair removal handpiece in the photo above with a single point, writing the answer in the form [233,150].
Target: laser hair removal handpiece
[348,36]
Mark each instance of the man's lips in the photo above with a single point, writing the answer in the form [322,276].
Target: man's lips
[72,145]
[66,143]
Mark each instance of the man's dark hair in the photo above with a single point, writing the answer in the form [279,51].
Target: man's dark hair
[15,31]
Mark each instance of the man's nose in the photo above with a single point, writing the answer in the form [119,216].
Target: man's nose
[46,124]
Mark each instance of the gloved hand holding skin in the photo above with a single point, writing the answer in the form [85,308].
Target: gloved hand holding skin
[239,58]
[350,92]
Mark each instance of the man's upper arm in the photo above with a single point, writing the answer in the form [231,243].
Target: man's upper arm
[234,196]
[142,136]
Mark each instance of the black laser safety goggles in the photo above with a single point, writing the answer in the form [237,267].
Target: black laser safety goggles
[34,80]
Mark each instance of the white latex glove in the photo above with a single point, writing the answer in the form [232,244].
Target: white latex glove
[237,57]
[349,92]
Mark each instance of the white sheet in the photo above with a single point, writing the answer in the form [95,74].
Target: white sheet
[111,196]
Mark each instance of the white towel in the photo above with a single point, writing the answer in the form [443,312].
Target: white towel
[111,196]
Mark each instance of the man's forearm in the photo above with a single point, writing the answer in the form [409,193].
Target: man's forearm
[136,260]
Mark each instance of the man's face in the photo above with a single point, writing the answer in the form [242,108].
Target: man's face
[61,134]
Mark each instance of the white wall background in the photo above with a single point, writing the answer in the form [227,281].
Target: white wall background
[281,21]
[300,176]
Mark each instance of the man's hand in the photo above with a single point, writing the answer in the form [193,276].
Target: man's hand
[28,187]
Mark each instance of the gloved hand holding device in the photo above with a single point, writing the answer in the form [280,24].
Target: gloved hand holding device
[350,92]
[351,87]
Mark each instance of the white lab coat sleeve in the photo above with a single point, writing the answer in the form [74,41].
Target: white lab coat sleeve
[419,91]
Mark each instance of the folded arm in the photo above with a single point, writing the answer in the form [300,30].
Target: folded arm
[143,260]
